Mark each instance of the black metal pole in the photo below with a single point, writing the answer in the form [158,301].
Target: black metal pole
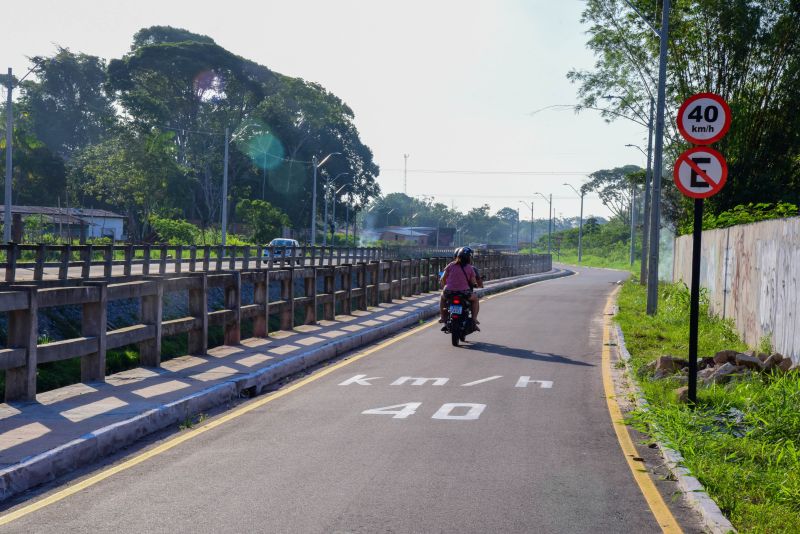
[694,309]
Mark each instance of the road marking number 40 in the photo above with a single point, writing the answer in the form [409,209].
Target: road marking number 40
[451,411]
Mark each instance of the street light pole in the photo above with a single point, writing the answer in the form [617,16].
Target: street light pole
[647,201]
[633,222]
[580,223]
[531,207]
[9,161]
[655,209]
[225,190]
[314,195]
[549,223]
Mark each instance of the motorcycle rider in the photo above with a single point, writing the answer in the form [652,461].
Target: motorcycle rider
[459,277]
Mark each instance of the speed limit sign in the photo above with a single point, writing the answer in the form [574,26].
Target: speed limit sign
[704,118]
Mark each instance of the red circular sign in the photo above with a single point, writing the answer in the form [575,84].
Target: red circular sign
[700,172]
[704,118]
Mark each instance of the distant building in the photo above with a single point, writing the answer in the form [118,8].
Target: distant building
[71,223]
[417,235]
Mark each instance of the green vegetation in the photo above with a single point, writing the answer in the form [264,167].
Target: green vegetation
[743,440]
[746,52]
[743,214]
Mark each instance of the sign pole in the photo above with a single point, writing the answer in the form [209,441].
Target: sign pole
[694,309]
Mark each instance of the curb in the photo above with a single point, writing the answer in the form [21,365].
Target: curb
[713,518]
[49,465]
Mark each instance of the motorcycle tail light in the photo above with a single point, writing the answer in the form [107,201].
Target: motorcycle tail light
[456,301]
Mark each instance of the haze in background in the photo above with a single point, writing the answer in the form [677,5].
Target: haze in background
[451,83]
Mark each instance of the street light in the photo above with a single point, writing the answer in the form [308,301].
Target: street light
[550,222]
[314,194]
[580,224]
[646,226]
[9,148]
[531,208]
[333,217]
[328,183]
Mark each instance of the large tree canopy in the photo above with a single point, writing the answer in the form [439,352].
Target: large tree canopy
[157,117]
[747,52]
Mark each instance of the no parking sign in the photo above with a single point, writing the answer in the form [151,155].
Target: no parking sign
[699,173]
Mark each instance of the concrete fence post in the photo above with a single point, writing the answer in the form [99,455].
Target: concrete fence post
[361,280]
[41,254]
[192,258]
[329,287]
[232,260]
[347,282]
[162,260]
[128,262]
[261,299]
[179,259]
[94,324]
[108,263]
[23,333]
[151,314]
[246,258]
[87,261]
[146,260]
[198,308]
[310,285]
[206,258]
[12,252]
[287,296]
[220,255]
[233,302]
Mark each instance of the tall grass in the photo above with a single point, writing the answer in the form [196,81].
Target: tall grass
[743,439]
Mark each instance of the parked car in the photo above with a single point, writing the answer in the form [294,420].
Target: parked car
[292,248]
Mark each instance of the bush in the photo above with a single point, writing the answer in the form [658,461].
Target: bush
[175,231]
[742,214]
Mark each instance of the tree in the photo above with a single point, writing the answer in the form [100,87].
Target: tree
[747,52]
[66,108]
[131,171]
[614,186]
[264,220]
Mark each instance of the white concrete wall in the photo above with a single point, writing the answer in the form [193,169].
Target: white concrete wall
[752,273]
[99,226]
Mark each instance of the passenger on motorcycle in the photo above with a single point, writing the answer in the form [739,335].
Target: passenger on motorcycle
[459,277]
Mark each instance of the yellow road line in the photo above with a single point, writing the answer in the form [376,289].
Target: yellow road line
[662,513]
[174,442]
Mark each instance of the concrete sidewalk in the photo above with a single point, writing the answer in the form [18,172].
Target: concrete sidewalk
[73,426]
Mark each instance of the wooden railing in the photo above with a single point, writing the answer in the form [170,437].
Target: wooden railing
[345,287]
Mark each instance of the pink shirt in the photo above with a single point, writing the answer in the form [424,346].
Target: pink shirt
[456,281]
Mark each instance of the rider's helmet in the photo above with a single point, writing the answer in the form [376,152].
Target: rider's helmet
[456,252]
[464,254]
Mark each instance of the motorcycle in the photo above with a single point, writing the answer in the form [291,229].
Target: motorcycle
[459,323]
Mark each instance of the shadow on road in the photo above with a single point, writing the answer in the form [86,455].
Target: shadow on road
[515,352]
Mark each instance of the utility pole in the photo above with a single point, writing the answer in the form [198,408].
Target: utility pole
[312,233]
[647,187]
[655,208]
[633,222]
[9,161]
[325,194]
[405,174]
[225,191]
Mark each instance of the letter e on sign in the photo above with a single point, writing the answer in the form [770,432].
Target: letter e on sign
[704,118]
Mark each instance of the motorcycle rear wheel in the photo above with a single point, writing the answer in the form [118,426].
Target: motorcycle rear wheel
[454,337]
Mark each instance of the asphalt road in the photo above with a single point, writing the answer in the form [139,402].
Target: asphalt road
[485,448]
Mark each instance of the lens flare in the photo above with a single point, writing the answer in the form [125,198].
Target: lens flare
[209,86]
[266,151]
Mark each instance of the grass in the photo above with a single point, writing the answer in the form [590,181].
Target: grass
[743,440]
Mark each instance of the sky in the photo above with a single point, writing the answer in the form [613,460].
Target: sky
[453,84]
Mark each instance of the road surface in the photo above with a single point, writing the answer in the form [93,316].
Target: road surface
[509,433]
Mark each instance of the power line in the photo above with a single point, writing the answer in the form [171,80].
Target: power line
[511,173]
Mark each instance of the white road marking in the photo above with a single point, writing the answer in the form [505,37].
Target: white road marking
[361,380]
[418,381]
[525,380]
[446,411]
[403,410]
[482,381]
